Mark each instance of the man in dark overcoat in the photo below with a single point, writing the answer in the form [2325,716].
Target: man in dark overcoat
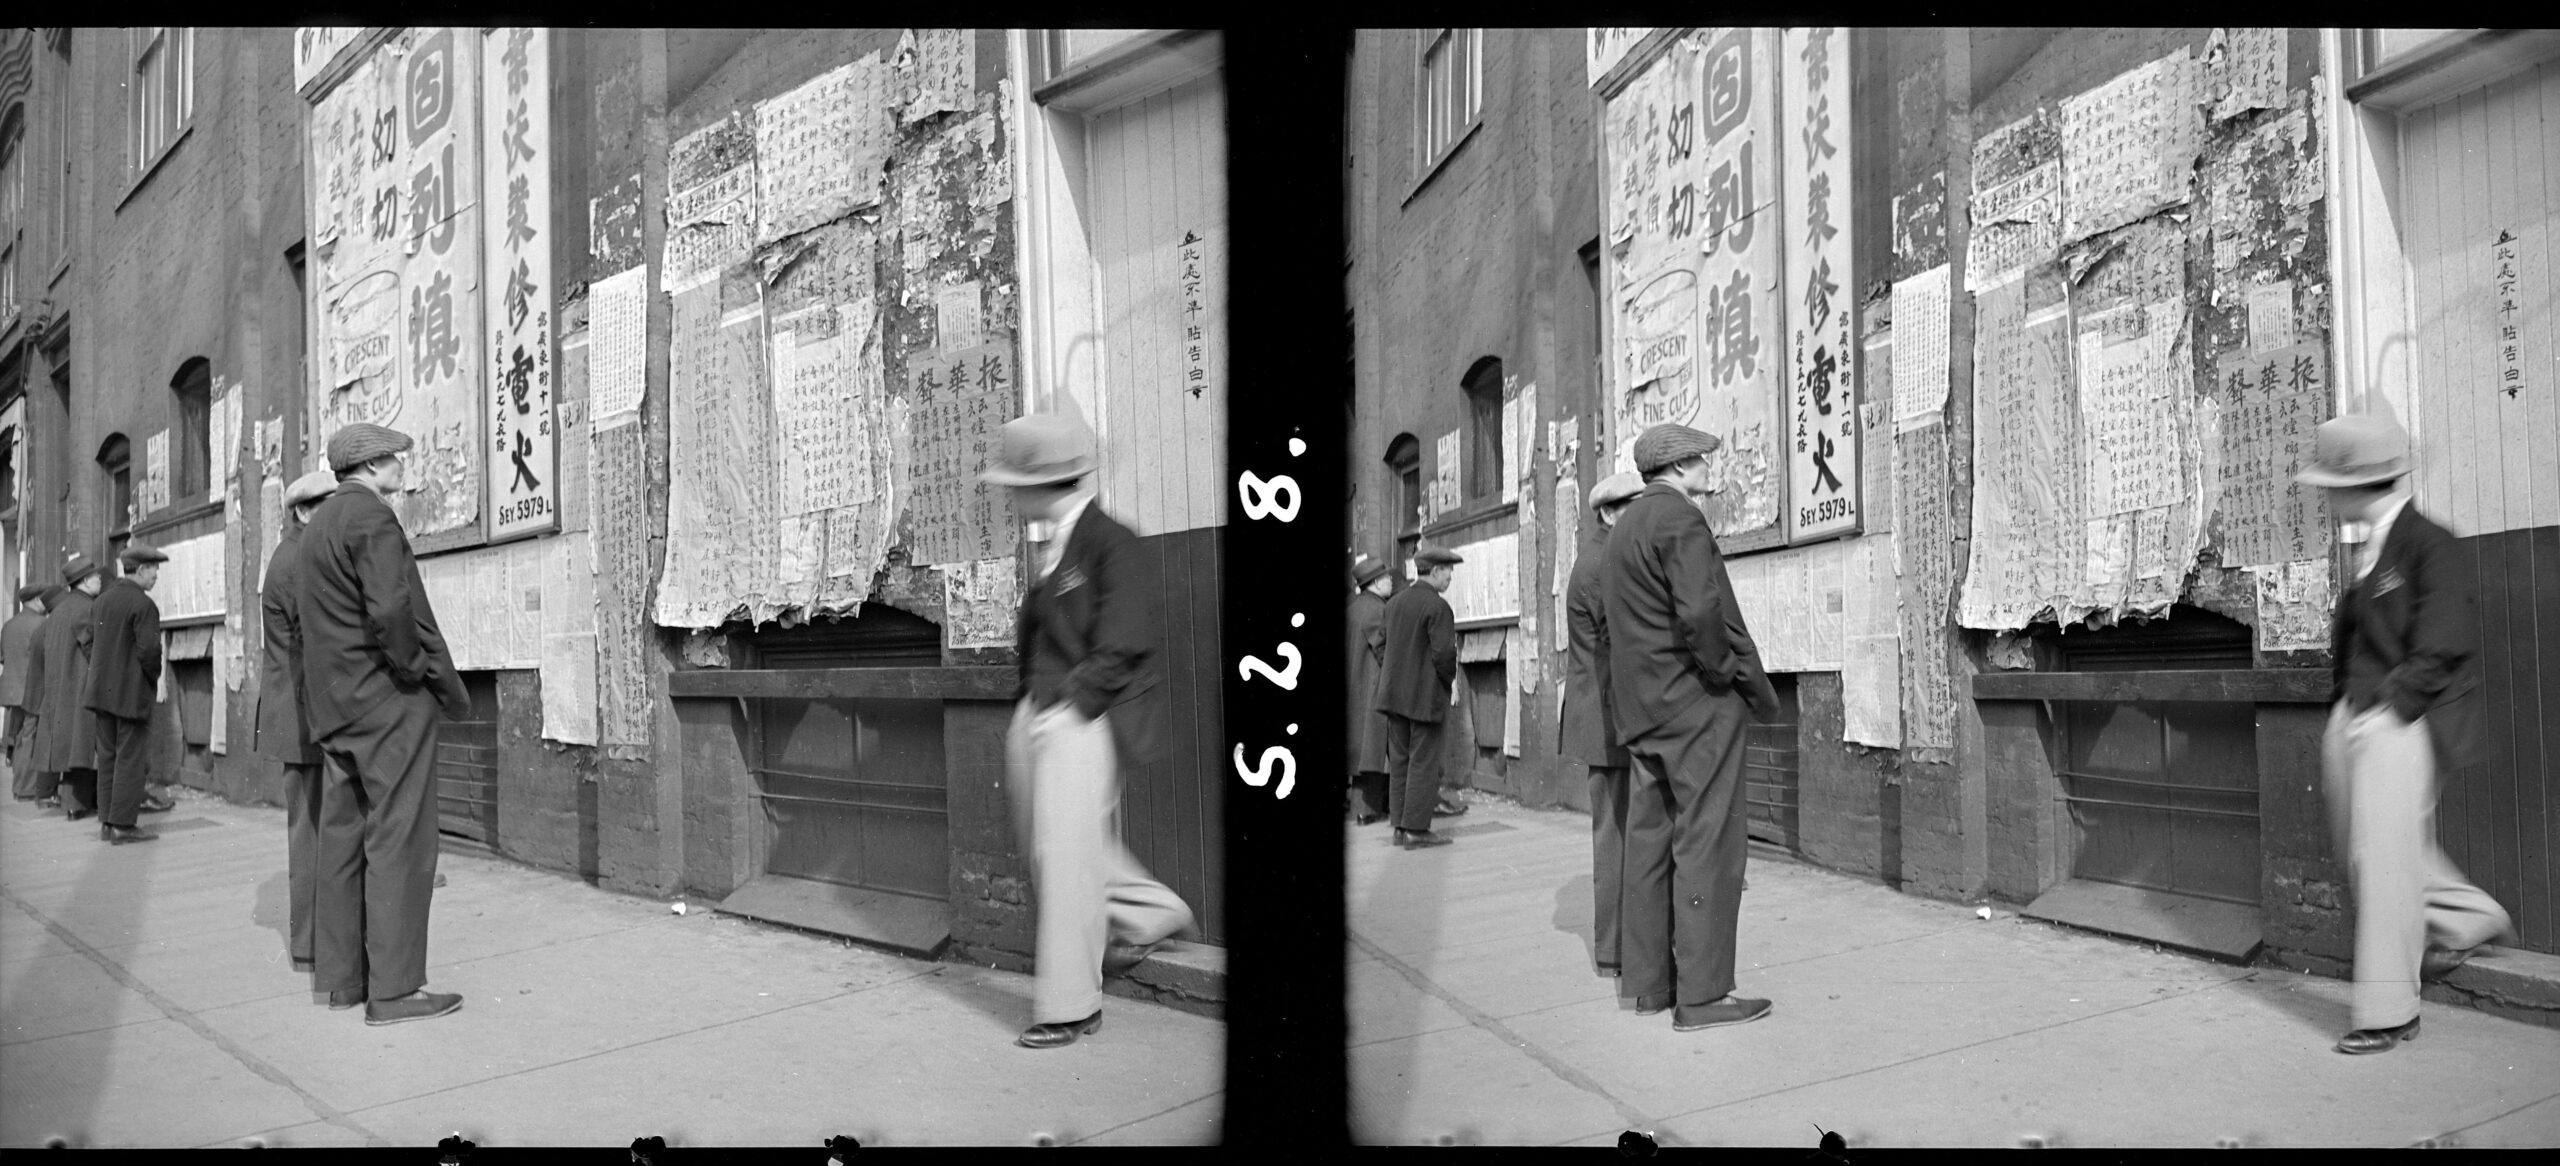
[18,693]
[2406,690]
[1584,730]
[66,732]
[124,684]
[1089,708]
[281,734]
[1364,727]
[1416,686]
[375,672]
[1683,675]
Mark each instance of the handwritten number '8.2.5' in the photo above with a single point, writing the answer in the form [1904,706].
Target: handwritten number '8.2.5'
[1276,498]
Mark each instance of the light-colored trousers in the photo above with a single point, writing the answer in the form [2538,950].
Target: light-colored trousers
[2380,786]
[1063,777]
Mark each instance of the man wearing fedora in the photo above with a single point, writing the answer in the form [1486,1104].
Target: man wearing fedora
[66,732]
[124,683]
[1363,726]
[1684,674]
[17,693]
[375,671]
[2406,687]
[1416,686]
[1088,709]
[1584,729]
[281,733]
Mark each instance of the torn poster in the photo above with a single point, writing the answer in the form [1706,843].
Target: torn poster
[2244,69]
[2128,146]
[980,600]
[1871,646]
[619,496]
[613,226]
[1444,478]
[2294,605]
[569,640]
[153,494]
[956,314]
[1568,536]
[1796,603]
[1920,318]
[2272,405]
[719,484]
[820,149]
[709,226]
[959,399]
[946,72]
[223,443]
[2026,488]
[2271,316]
[1928,528]
[1920,223]
[2129,454]
[1875,425]
[617,344]
[1515,664]
[1511,449]
[2017,201]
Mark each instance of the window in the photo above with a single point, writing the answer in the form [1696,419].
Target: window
[193,387]
[1484,466]
[115,466]
[1450,90]
[1404,461]
[62,145]
[162,95]
[13,200]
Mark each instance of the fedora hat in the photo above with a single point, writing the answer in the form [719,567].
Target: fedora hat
[1041,449]
[2357,449]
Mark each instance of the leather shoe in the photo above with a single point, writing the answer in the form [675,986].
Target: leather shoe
[302,963]
[2440,962]
[48,803]
[1367,819]
[76,815]
[119,835]
[157,805]
[1421,839]
[1730,1010]
[2377,1040]
[439,878]
[1119,958]
[1652,1005]
[1448,809]
[420,1005]
[342,1000]
[1050,1036]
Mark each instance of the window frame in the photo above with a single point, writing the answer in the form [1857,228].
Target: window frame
[191,436]
[115,462]
[1404,465]
[1484,468]
[62,106]
[159,97]
[1448,106]
[13,205]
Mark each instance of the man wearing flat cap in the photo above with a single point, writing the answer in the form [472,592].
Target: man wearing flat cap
[375,672]
[124,682]
[1088,710]
[281,733]
[1415,689]
[2406,687]
[66,731]
[1364,727]
[18,694]
[1584,729]
[1684,674]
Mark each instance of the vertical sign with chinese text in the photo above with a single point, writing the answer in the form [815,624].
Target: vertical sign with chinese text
[1822,430]
[2508,336]
[516,201]
[1741,348]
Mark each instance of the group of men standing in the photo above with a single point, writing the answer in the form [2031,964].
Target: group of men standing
[354,677]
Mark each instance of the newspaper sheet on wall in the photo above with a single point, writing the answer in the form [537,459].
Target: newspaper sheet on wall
[2017,201]
[718,519]
[617,345]
[980,602]
[711,201]
[1445,481]
[524,488]
[1921,312]
[191,581]
[2272,403]
[941,72]
[1487,584]
[151,495]
[620,502]
[489,603]
[2129,448]
[1823,496]
[569,639]
[1926,530]
[2244,69]
[960,401]
[2294,605]
[1871,644]
[820,148]
[1795,602]
[2128,146]
[2025,554]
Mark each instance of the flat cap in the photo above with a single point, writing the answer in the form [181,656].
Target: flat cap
[362,442]
[1367,572]
[1436,557]
[31,590]
[77,568]
[136,554]
[1617,487]
[310,487]
[1666,444]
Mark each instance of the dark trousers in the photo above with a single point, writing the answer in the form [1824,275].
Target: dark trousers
[78,788]
[1686,843]
[123,762]
[1369,792]
[302,789]
[1415,756]
[23,777]
[376,860]
[1608,862]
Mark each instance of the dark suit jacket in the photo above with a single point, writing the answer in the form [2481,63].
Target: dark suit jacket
[18,659]
[2409,634]
[281,734]
[66,735]
[367,629]
[1099,610]
[1366,632]
[1422,654]
[1586,731]
[1675,636]
[124,667]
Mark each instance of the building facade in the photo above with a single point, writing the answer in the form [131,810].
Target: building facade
[2013,338]
[703,337]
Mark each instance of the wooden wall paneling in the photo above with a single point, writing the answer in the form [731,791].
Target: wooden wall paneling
[2525,422]
[2544,346]
[1208,734]
[2542,819]
[2466,317]
[1205,428]
[2496,459]
[1107,224]
[2420,145]
[1154,317]
[1183,570]
[2494,848]
[2521,809]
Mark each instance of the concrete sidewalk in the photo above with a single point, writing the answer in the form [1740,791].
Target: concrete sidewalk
[146,1000]
[1898,1021]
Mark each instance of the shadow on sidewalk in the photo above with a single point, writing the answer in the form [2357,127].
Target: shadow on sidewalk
[1382,1078]
[53,1084]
